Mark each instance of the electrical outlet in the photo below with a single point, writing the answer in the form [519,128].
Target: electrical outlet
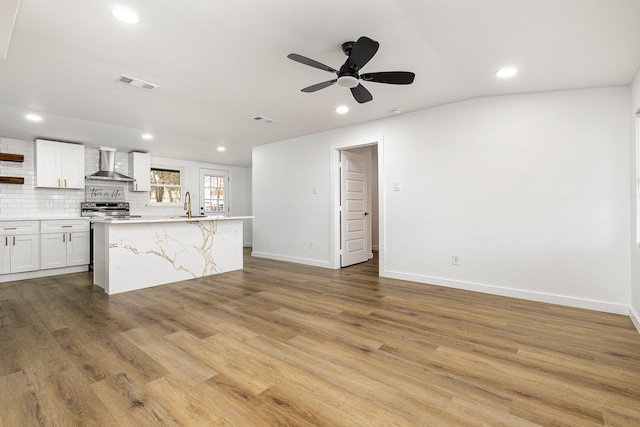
[396,186]
[49,203]
[312,244]
[455,259]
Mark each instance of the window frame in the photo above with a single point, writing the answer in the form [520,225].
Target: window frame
[168,168]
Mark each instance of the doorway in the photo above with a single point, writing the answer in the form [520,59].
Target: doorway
[213,192]
[357,223]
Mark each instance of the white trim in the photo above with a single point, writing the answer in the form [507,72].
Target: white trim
[335,197]
[635,318]
[603,306]
[42,273]
[295,260]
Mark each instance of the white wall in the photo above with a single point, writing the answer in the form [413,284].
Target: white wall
[635,251]
[532,191]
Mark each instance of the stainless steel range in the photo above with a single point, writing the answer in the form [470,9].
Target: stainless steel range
[102,210]
[105,209]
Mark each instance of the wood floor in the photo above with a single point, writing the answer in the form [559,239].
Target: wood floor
[281,344]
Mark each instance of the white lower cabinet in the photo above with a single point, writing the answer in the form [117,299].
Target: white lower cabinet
[64,243]
[20,246]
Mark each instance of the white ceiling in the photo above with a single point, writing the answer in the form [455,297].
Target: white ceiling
[219,64]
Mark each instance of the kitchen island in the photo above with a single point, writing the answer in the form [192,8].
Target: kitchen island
[137,253]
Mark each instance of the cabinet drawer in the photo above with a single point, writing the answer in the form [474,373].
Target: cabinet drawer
[63,225]
[14,228]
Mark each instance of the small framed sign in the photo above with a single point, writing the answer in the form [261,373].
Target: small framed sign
[104,194]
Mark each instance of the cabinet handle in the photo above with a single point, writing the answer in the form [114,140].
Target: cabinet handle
[69,236]
[14,240]
[136,186]
[6,241]
[65,183]
[10,228]
[64,237]
[58,182]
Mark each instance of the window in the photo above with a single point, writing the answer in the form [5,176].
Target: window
[214,193]
[166,186]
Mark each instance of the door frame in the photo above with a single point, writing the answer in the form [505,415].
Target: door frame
[226,174]
[335,197]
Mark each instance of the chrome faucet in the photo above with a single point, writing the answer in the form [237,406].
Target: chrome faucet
[187,203]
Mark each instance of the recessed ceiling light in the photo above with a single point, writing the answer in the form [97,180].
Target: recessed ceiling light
[125,15]
[505,73]
[396,111]
[147,136]
[33,117]
[221,149]
[342,109]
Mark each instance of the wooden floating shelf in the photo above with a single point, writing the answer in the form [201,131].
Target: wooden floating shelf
[11,180]
[12,157]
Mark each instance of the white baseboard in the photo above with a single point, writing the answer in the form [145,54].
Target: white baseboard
[603,306]
[635,318]
[296,260]
[247,245]
[42,273]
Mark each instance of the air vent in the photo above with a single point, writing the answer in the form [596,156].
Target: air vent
[264,119]
[137,83]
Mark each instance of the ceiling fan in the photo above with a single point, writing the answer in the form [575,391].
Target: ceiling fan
[358,54]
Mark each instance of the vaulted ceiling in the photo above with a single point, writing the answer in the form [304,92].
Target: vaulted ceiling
[218,64]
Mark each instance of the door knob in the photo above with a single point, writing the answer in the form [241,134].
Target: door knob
[366,213]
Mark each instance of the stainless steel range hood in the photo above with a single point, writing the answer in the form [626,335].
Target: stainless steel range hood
[107,167]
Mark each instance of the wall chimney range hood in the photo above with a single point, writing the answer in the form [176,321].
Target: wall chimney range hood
[107,167]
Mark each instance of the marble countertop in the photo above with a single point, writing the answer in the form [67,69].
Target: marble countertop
[148,219]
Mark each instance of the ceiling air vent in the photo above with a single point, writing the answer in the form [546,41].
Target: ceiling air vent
[263,119]
[137,83]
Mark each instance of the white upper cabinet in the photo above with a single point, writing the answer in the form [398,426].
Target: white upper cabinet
[59,164]
[140,171]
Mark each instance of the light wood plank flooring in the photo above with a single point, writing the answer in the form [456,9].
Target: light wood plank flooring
[281,344]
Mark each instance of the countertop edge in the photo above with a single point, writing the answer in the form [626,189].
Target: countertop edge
[145,220]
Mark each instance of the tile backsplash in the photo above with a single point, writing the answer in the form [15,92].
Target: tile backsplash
[26,201]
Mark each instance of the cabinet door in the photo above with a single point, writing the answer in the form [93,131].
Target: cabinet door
[54,250]
[5,255]
[72,166]
[48,166]
[140,171]
[25,252]
[78,249]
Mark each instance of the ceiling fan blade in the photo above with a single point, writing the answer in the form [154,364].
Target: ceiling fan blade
[361,94]
[319,86]
[310,62]
[362,52]
[390,77]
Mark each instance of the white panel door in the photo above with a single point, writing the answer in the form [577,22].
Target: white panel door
[5,255]
[72,165]
[53,247]
[25,253]
[78,248]
[353,201]
[214,195]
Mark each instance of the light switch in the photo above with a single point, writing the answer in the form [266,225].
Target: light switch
[396,186]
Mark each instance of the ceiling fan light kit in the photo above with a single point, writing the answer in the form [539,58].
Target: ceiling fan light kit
[348,81]
[358,55]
